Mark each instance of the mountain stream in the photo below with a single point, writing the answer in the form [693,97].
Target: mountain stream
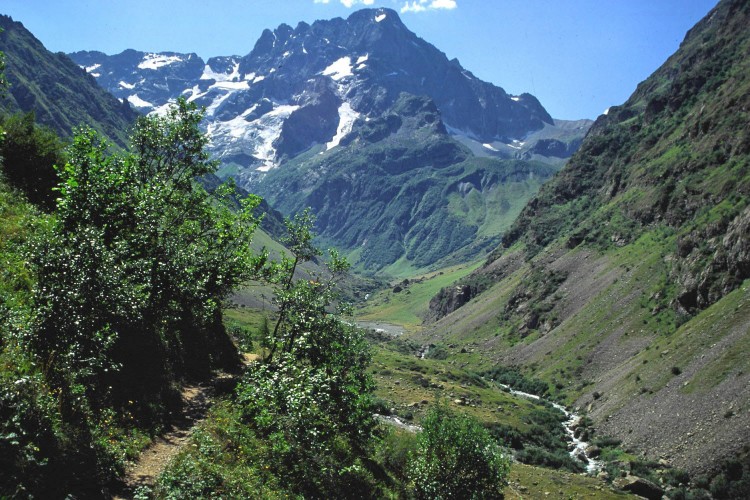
[579,449]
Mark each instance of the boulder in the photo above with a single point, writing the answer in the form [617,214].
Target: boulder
[639,486]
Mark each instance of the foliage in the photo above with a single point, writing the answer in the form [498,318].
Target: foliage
[310,398]
[139,258]
[29,153]
[512,376]
[457,458]
[107,301]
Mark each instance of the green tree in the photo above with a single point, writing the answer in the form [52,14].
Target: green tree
[312,398]
[30,153]
[133,271]
[457,458]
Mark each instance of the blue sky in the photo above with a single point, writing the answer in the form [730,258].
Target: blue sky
[577,56]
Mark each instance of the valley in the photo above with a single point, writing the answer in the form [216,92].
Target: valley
[344,266]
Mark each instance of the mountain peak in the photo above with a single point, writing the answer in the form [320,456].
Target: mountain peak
[319,78]
[378,16]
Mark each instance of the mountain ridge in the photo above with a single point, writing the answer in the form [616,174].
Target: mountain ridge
[272,76]
[42,82]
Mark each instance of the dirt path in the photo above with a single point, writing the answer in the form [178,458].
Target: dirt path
[196,400]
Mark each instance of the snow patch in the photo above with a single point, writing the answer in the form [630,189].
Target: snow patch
[156,61]
[210,74]
[261,132]
[242,85]
[347,117]
[340,69]
[259,78]
[125,85]
[362,59]
[515,98]
[163,109]
[138,102]
[214,106]
[491,147]
[195,93]
[380,18]
[91,68]
[286,54]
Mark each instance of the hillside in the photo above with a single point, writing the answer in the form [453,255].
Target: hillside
[403,194]
[61,95]
[623,283]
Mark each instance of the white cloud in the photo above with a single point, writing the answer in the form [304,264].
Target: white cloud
[348,3]
[422,5]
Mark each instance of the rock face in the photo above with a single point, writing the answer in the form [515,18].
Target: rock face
[449,299]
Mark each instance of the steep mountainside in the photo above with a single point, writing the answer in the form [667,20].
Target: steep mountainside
[312,108]
[402,190]
[624,282]
[60,94]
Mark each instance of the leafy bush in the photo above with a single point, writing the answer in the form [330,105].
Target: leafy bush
[457,458]
[133,270]
[556,459]
[395,450]
[310,397]
[30,152]
[513,377]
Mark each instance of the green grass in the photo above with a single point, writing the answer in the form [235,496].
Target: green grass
[411,385]
[534,482]
[408,307]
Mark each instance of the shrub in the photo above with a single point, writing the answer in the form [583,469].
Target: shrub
[457,458]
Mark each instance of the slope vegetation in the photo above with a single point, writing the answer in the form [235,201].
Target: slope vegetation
[624,282]
[61,95]
[404,192]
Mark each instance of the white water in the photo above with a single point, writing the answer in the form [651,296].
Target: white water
[397,422]
[580,447]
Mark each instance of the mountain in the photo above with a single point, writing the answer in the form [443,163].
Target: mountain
[333,70]
[61,95]
[312,107]
[624,281]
